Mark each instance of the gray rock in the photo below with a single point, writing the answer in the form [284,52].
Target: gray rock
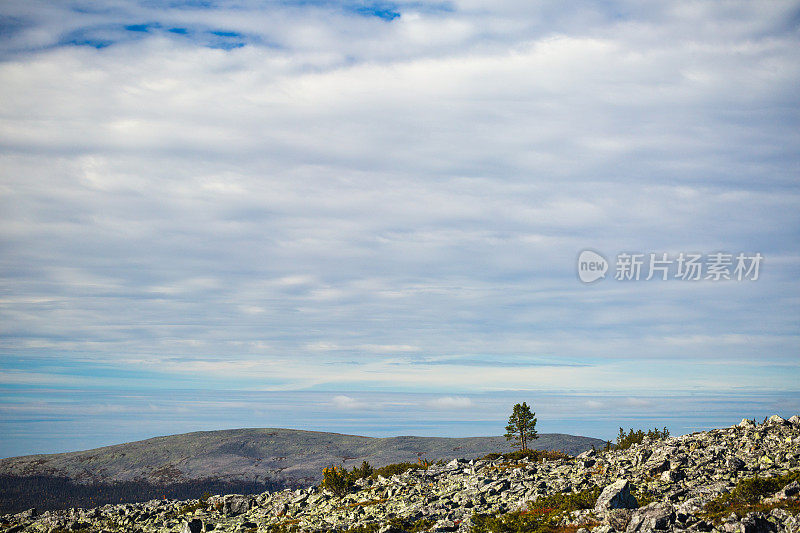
[445,525]
[672,476]
[776,420]
[616,496]
[619,518]
[26,515]
[734,463]
[789,491]
[192,526]
[234,504]
[656,516]
[757,523]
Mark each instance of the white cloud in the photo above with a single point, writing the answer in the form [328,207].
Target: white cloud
[361,196]
[450,402]
[637,402]
[346,402]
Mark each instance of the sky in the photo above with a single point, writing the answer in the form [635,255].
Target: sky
[367,217]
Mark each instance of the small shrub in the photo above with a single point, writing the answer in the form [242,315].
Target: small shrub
[337,480]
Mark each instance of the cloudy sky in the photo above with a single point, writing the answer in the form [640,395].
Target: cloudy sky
[366,217]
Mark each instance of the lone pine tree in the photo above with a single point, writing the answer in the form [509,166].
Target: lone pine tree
[521,426]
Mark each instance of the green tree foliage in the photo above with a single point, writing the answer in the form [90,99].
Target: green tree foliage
[521,426]
[626,440]
[365,470]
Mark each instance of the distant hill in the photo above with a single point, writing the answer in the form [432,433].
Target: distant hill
[237,459]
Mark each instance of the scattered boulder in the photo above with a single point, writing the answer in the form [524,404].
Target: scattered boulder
[757,523]
[235,504]
[25,515]
[657,516]
[792,490]
[734,463]
[619,518]
[777,420]
[616,496]
[192,526]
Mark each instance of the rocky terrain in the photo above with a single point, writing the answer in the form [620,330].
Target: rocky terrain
[737,479]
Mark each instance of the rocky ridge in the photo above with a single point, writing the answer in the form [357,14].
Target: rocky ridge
[664,485]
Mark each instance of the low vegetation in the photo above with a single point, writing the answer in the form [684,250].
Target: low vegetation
[536,456]
[540,516]
[397,524]
[747,497]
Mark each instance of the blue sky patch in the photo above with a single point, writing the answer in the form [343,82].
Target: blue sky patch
[143,28]
[375,11]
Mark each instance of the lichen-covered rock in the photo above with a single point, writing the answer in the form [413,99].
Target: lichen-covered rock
[236,504]
[616,496]
[657,516]
[757,523]
[192,526]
